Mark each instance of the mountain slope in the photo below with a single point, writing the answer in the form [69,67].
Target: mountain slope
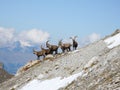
[93,67]
[3,74]
[102,74]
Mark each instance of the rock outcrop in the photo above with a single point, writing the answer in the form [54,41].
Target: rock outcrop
[1,65]
[4,75]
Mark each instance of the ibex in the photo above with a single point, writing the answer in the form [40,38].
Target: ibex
[39,53]
[64,46]
[47,51]
[75,43]
[53,48]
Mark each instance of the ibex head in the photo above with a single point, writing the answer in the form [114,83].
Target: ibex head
[73,38]
[47,41]
[34,52]
[41,47]
[47,44]
[60,42]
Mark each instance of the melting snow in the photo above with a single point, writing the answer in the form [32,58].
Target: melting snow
[113,41]
[52,84]
[58,82]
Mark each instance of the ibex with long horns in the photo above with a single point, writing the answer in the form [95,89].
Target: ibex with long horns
[64,46]
[75,43]
[39,53]
[47,51]
[53,48]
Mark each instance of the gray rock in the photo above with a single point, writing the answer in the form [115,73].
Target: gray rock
[49,56]
[1,65]
[4,75]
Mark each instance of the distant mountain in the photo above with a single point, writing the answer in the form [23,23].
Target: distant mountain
[1,65]
[4,75]
[13,58]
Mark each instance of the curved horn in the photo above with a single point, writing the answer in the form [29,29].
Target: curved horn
[71,38]
[47,41]
[61,40]
[33,50]
[75,37]
[41,46]
[47,44]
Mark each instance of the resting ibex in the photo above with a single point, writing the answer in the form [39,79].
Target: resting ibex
[53,48]
[64,46]
[39,53]
[47,51]
[75,44]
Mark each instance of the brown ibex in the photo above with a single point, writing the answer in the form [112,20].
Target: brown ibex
[53,48]
[47,51]
[39,53]
[64,46]
[75,43]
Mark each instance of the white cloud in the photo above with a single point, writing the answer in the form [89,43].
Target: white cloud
[6,36]
[24,43]
[90,39]
[33,36]
[94,37]
[9,36]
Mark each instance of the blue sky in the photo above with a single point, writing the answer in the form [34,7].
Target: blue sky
[61,17]
[31,22]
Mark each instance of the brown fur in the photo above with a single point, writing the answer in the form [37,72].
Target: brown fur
[65,46]
[53,48]
[47,51]
[39,53]
[75,43]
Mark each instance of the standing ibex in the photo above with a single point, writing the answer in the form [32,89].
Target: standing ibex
[39,53]
[53,48]
[75,44]
[64,46]
[47,51]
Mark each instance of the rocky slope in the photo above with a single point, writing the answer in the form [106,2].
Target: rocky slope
[102,74]
[4,75]
[93,67]
[1,65]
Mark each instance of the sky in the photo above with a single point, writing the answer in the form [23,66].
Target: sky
[61,18]
[32,22]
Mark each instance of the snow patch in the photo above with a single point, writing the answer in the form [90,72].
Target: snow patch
[52,84]
[113,41]
[59,82]
[40,76]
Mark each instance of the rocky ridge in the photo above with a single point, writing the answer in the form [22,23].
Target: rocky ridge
[4,75]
